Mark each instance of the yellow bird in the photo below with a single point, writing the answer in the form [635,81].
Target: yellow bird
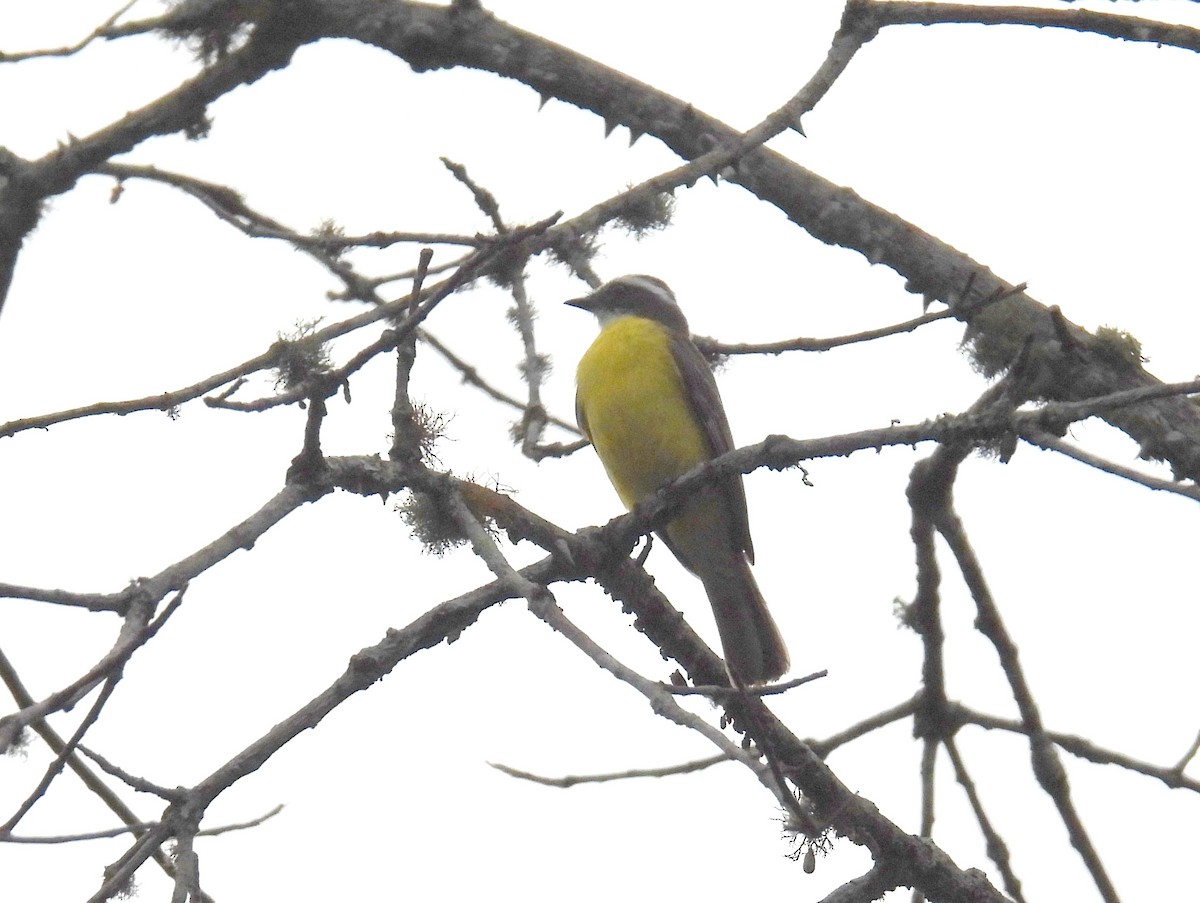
[648,402]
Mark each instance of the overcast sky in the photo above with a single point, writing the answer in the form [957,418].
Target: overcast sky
[1066,161]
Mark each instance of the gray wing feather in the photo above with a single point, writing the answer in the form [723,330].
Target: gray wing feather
[710,412]
[581,419]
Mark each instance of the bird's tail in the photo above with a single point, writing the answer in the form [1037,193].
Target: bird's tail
[754,649]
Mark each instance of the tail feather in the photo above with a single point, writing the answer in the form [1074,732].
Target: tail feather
[703,538]
[754,649]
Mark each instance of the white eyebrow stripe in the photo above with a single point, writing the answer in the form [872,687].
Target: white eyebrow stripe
[654,286]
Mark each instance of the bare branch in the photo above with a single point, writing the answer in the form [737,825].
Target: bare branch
[143,826]
[1187,756]
[712,346]
[55,768]
[934,478]
[929,748]
[28,183]
[571,780]
[407,444]
[168,401]
[996,847]
[1042,439]
[889,716]
[136,631]
[134,782]
[1126,28]
[176,576]
[91,601]
[470,375]
[471,269]
[100,31]
[1069,377]
[1083,748]
[718,692]
[661,701]
[1168,429]
[90,779]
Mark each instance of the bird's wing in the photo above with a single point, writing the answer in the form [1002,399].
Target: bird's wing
[701,390]
[581,418]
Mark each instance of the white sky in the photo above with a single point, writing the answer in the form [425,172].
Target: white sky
[1063,160]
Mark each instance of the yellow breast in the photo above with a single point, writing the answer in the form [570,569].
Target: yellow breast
[635,404]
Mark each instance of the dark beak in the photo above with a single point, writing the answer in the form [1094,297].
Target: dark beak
[587,302]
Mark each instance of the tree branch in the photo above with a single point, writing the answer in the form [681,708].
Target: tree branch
[1125,28]
[429,37]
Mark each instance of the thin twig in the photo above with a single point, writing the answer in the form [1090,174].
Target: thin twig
[888,716]
[718,692]
[712,346]
[543,604]
[100,31]
[91,601]
[470,375]
[90,779]
[1126,28]
[54,769]
[1042,439]
[1046,766]
[1188,756]
[1082,748]
[134,829]
[662,702]
[929,750]
[997,849]
[134,782]
[467,273]
[136,631]
[407,444]
[572,779]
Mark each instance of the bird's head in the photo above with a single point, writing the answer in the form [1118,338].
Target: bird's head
[634,296]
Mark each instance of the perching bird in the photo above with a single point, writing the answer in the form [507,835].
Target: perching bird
[648,402]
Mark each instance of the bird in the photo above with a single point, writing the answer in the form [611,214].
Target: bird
[648,402]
